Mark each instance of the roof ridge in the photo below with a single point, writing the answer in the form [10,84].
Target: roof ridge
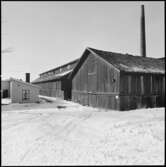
[27,83]
[108,51]
[60,66]
[133,63]
[127,54]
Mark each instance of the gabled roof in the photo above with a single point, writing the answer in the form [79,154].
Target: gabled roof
[53,77]
[130,63]
[124,62]
[21,82]
[71,62]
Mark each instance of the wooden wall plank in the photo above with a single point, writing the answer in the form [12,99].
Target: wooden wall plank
[95,76]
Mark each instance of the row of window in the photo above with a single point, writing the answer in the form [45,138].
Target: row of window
[56,71]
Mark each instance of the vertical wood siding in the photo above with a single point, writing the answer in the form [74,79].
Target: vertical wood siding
[141,90]
[60,88]
[96,84]
[51,89]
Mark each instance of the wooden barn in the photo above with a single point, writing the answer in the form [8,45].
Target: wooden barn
[118,81]
[55,82]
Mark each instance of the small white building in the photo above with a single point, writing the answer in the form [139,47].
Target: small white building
[19,91]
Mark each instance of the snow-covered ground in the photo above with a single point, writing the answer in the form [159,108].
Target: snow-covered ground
[6,101]
[66,133]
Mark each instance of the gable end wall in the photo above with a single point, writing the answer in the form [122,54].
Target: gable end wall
[96,84]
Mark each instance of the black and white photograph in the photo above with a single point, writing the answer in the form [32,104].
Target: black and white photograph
[82,83]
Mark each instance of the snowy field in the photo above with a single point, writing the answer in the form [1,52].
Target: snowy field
[65,133]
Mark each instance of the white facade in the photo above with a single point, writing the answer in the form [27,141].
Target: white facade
[21,92]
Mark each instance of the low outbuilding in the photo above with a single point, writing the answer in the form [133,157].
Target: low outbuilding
[19,91]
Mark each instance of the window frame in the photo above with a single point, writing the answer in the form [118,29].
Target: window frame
[25,94]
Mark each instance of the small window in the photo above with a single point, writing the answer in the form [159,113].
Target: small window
[25,94]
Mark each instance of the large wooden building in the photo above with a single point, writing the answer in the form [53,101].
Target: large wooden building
[55,82]
[118,81]
[108,80]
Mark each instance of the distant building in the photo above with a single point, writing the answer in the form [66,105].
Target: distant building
[19,91]
[55,82]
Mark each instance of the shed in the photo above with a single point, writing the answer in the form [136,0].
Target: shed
[19,91]
[118,81]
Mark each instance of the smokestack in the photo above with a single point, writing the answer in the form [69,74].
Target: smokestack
[143,35]
[27,76]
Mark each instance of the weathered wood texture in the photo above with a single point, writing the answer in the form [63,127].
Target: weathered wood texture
[96,84]
[141,90]
[59,88]
[51,89]
[99,84]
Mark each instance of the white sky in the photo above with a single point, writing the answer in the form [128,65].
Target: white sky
[40,36]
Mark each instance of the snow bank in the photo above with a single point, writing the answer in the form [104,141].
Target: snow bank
[6,101]
[48,98]
[78,135]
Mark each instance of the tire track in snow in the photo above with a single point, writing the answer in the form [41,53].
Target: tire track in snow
[19,123]
[72,126]
[24,120]
[60,134]
[30,149]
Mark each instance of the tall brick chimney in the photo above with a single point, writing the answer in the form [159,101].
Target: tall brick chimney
[143,34]
[27,77]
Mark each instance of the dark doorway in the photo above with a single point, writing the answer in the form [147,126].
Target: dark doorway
[5,93]
[67,94]
[66,87]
